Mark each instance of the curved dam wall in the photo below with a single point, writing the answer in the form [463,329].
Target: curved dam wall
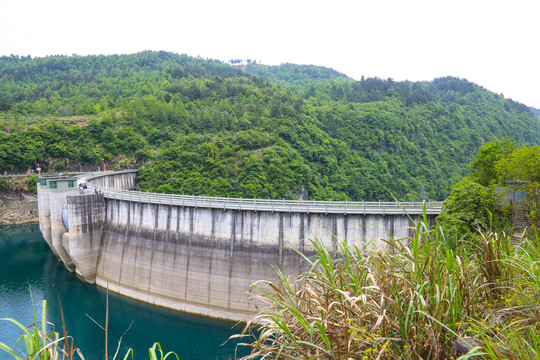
[123,180]
[200,254]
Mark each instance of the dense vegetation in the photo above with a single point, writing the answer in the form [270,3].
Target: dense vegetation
[502,190]
[19,184]
[416,299]
[535,111]
[205,127]
[459,290]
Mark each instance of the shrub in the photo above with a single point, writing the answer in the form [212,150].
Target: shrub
[32,183]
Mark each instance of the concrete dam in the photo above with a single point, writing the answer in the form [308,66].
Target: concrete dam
[199,254]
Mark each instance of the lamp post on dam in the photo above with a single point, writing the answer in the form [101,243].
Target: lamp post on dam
[200,254]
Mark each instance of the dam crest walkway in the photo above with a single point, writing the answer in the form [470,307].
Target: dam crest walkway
[273,205]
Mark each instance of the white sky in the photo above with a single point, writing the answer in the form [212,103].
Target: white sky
[495,44]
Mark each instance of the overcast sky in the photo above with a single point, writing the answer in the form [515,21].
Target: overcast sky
[495,44]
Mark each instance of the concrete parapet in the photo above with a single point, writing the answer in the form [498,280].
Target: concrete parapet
[125,180]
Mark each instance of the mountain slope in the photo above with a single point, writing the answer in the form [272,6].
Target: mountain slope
[535,111]
[293,74]
[204,127]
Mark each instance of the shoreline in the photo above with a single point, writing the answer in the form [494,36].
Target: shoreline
[18,208]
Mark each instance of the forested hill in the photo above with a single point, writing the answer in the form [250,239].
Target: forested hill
[292,74]
[204,127]
[535,111]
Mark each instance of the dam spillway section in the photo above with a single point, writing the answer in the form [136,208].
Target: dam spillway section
[200,254]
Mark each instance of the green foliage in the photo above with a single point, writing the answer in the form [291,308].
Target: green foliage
[535,111]
[42,345]
[474,201]
[32,183]
[292,74]
[466,209]
[37,342]
[522,164]
[269,131]
[19,184]
[483,169]
[408,301]
[156,353]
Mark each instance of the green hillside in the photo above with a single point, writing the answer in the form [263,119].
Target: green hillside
[204,127]
[535,111]
[292,74]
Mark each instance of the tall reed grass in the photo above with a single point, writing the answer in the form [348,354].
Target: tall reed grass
[408,301]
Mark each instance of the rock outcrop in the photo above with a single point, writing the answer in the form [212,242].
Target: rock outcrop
[18,208]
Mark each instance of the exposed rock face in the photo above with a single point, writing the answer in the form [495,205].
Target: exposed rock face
[466,344]
[18,208]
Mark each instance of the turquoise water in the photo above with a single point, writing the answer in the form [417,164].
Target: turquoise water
[26,262]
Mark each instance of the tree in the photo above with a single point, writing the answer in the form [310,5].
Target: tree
[483,169]
[522,164]
[465,209]
[475,200]
[4,106]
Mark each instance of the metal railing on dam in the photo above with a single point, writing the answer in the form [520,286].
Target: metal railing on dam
[273,205]
[201,254]
[303,206]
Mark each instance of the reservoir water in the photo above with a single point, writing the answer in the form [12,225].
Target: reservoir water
[27,264]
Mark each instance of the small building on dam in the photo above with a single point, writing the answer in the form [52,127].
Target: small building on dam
[199,254]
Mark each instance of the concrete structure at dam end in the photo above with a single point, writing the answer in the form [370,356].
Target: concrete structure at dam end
[199,254]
